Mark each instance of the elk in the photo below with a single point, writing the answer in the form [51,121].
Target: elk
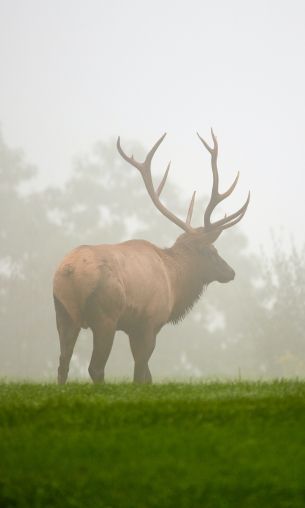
[136,286]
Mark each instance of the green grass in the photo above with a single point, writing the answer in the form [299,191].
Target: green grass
[169,445]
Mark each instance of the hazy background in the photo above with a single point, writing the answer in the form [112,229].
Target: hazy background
[75,74]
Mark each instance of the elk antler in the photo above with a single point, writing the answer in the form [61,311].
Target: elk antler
[145,170]
[217,197]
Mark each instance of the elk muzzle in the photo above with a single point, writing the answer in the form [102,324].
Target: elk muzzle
[225,273]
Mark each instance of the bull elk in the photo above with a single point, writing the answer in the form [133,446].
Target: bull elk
[136,286]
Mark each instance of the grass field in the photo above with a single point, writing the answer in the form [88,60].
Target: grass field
[169,445]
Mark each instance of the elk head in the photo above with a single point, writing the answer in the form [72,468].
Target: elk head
[201,238]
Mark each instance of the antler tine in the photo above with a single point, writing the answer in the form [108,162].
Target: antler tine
[162,183]
[152,152]
[216,196]
[145,170]
[224,195]
[232,219]
[226,226]
[141,166]
[190,210]
[131,160]
[210,149]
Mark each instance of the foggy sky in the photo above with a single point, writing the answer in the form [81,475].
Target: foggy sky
[75,71]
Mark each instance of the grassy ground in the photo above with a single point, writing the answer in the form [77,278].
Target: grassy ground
[171,445]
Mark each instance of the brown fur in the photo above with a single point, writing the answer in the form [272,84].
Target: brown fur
[133,286]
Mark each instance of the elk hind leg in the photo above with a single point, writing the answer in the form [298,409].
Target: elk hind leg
[103,336]
[68,333]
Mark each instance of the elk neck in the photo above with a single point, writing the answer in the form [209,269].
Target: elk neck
[186,271]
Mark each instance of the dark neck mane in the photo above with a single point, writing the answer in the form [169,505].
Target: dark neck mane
[186,271]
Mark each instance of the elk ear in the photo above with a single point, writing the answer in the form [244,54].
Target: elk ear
[211,236]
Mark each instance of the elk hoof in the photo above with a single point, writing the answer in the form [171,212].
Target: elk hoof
[61,380]
[97,377]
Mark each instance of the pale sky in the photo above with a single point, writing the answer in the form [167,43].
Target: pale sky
[77,71]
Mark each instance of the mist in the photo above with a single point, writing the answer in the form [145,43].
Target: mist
[75,75]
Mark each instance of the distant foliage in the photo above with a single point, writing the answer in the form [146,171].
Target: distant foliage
[251,327]
[284,299]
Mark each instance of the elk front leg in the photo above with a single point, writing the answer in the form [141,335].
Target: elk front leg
[142,347]
[103,336]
